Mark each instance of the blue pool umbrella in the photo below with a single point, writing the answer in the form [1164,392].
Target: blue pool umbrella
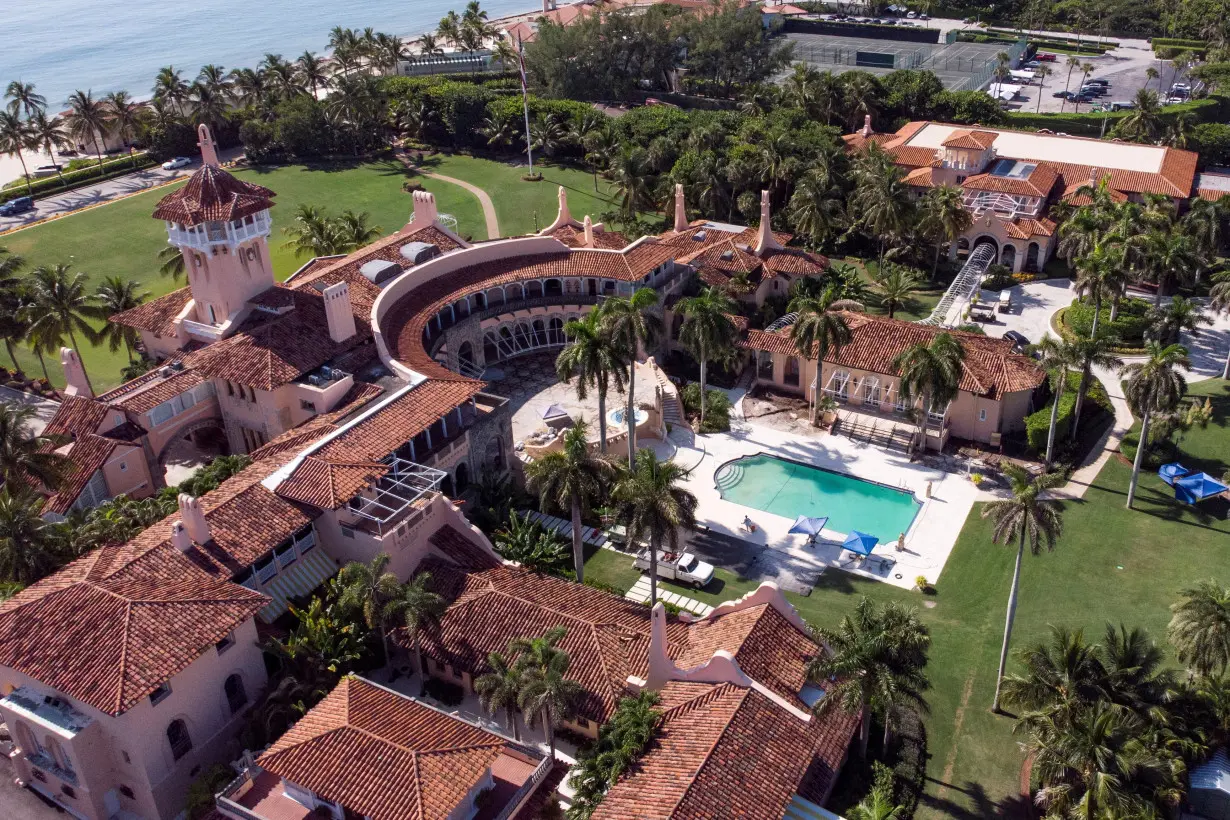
[1169,472]
[860,542]
[1197,487]
[808,525]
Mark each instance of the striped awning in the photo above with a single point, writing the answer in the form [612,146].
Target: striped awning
[297,580]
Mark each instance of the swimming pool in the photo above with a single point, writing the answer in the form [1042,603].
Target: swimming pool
[790,489]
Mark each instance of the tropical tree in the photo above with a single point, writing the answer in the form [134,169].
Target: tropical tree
[931,372]
[115,294]
[1042,73]
[218,80]
[654,507]
[1057,357]
[896,284]
[874,663]
[208,107]
[312,233]
[63,307]
[1100,273]
[429,45]
[27,553]
[500,688]
[312,71]
[881,204]
[1096,351]
[632,326]
[1030,519]
[418,607]
[634,184]
[572,478]
[171,262]
[595,359]
[27,456]
[1200,628]
[353,231]
[545,689]
[1219,301]
[16,136]
[1060,676]
[24,99]
[818,331]
[87,120]
[621,742]
[124,114]
[943,217]
[1144,120]
[707,332]
[531,545]
[816,206]
[877,805]
[1168,257]
[170,86]
[1153,386]
[48,134]
[370,588]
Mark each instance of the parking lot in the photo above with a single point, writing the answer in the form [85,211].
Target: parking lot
[959,66]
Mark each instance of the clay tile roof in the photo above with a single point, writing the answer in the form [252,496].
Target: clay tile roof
[386,756]
[607,636]
[1039,183]
[795,262]
[1072,196]
[156,314]
[297,438]
[980,140]
[922,178]
[726,751]
[76,416]
[86,456]
[574,237]
[213,195]
[461,550]
[111,627]
[145,400]
[1028,228]
[329,484]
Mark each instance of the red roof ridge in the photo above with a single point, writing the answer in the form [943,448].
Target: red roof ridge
[741,694]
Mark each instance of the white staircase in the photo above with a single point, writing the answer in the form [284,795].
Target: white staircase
[963,286]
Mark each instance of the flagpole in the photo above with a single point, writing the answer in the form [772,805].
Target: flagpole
[525,102]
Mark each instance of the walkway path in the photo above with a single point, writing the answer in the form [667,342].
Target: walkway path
[493,222]
[640,594]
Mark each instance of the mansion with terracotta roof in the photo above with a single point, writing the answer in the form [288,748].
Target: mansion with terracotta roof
[1010,179]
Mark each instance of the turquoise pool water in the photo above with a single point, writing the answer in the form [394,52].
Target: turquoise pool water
[790,489]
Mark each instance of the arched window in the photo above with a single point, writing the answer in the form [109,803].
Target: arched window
[27,741]
[553,287]
[463,477]
[177,736]
[236,696]
[533,289]
[465,354]
[56,751]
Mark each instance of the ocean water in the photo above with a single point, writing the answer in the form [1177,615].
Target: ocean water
[108,45]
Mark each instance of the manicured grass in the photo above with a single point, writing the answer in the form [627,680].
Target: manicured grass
[919,305]
[1111,565]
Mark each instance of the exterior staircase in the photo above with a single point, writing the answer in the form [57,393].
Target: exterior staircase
[672,405]
[963,286]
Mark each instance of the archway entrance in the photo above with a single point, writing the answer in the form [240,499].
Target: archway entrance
[463,477]
[1007,256]
[1031,258]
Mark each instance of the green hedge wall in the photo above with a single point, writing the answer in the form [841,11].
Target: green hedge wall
[1130,324]
[75,179]
[1178,44]
[1038,425]
[1210,109]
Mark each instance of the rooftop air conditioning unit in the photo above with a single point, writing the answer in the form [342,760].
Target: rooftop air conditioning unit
[177,366]
[379,271]
[315,381]
[326,372]
[727,256]
[699,236]
[166,372]
[419,252]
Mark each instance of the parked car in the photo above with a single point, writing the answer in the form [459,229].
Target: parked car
[17,206]
[1018,339]
[1046,58]
[177,162]
[911,14]
[1122,106]
[1067,95]
[685,568]
[1098,81]
[924,17]
[46,170]
[1095,90]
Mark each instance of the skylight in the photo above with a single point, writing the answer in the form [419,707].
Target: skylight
[1012,169]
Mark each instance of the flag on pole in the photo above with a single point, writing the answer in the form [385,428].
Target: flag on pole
[525,101]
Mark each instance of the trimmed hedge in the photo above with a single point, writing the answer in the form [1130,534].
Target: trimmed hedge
[1173,45]
[1038,425]
[75,179]
[1210,109]
[1130,325]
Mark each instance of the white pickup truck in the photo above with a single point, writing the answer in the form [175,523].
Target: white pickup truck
[685,568]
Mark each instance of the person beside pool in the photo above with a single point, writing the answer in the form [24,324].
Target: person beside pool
[748,525]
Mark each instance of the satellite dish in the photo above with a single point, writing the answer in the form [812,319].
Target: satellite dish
[448,221]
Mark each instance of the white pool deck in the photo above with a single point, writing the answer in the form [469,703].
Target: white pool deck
[927,544]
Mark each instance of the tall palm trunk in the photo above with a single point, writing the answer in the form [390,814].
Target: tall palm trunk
[1141,446]
[8,345]
[511,715]
[77,347]
[578,547]
[630,417]
[98,151]
[864,732]
[653,572]
[43,364]
[1097,313]
[925,419]
[1157,295]
[704,365]
[935,266]
[25,173]
[1225,371]
[418,657]
[602,419]
[548,726]
[1050,436]
[1003,652]
[1086,374]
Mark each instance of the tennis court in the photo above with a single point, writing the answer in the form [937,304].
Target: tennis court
[959,66]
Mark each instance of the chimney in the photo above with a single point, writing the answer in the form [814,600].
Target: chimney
[180,539]
[661,667]
[565,216]
[765,240]
[76,383]
[867,132]
[193,518]
[589,232]
[681,213]
[425,212]
[209,154]
[338,313]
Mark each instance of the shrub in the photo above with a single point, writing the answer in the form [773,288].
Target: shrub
[717,408]
[1209,109]
[605,587]
[1129,326]
[910,769]
[75,179]
[450,694]
[1038,425]
[462,108]
[201,792]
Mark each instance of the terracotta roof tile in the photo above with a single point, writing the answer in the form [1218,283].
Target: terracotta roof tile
[107,632]
[77,416]
[359,395]
[795,262]
[1029,228]
[86,456]
[922,178]
[462,551]
[980,140]
[156,314]
[145,400]
[386,756]
[1039,183]
[213,195]
[329,484]
[574,237]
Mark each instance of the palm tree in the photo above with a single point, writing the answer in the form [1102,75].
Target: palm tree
[368,587]
[311,233]
[171,262]
[874,661]
[1057,357]
[429,45]
[1151,75]
[707,332]
[571,478]
[1097,351]
[16,137]
[817,331]
[632,326]
[1144,119]
[930,372]
[312,71]
[115,294]
[1219,301]
[63,307]
[881,203]
[25,455]
[281,76]
[170,86]
[1180,314]
[1062,675]
[943,217]
[1029,518]
[1169,257]
[418,608]
[547,692]
[249,88]
[1086,68]
[27,553]
[594,357]
[1100,273]
[1153,386]
[353,231]
[1072,62]
[48,134]
[501,689]
[633,182]
[654,507]
[23,98]
[1043,72]
[208,106]
[878,805]
[87,120]
[1200,628]
[896,284]
[816,206]
[218,80]
[124,114]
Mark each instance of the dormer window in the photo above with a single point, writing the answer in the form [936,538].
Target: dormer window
[160,694]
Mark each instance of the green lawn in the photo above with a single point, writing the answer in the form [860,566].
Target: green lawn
[121,238]
[1110,565]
